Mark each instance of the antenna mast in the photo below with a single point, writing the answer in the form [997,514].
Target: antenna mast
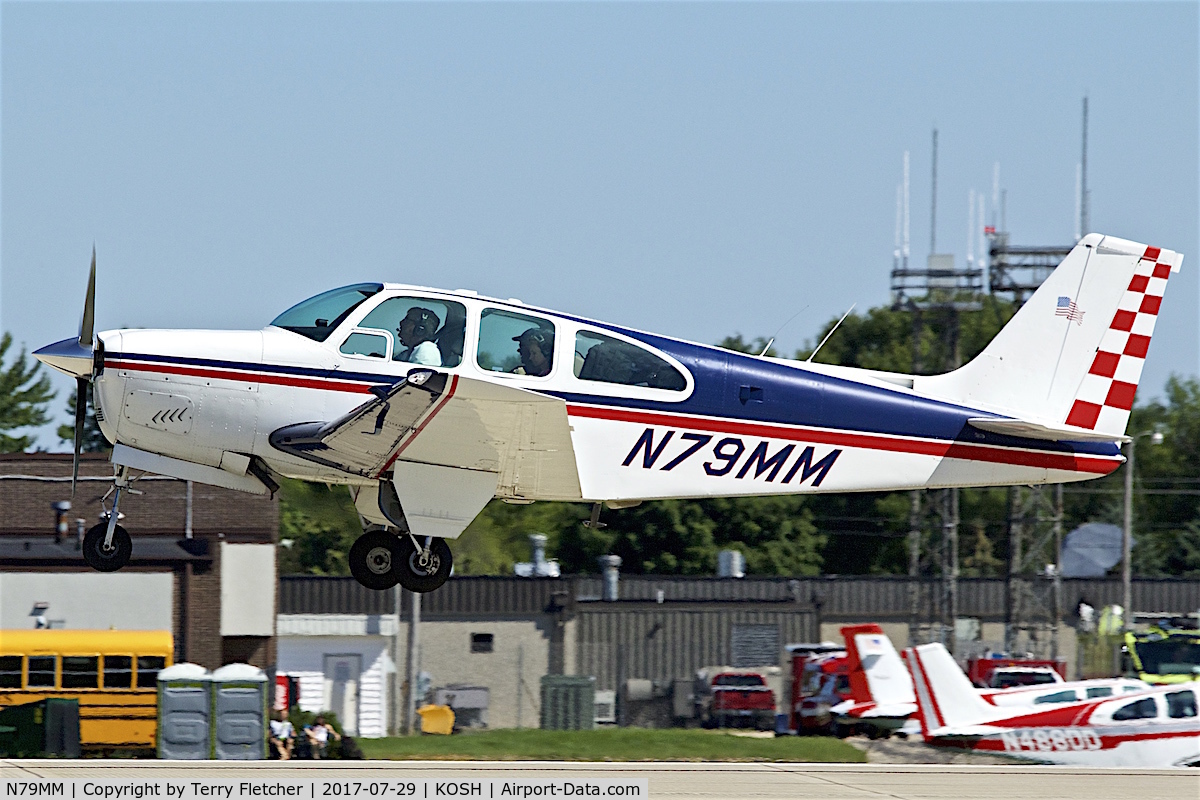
[904,253]
[933,203]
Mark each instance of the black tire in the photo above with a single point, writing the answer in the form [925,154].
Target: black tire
[109,560]
[374,559]
[417,578]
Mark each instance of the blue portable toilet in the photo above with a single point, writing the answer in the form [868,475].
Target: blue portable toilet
[239,713]
[184,708]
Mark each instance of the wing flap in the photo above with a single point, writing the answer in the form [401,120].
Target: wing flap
[1034,430]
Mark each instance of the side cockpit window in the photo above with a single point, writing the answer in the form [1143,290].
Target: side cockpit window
[515,343]
[424,330]
[372,345]
[607,360]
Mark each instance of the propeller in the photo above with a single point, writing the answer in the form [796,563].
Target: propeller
[75,357]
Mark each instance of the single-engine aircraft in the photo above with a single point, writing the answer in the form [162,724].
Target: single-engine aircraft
[429,403]
[1158,727]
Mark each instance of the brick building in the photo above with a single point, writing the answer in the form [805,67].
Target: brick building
[204,559]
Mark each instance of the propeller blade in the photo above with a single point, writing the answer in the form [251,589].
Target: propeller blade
[81,390]
[87,323]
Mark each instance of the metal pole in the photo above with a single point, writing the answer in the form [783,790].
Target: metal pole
[414,643]
[1127,542]
[396,727]
[1058,610]
[520,670]
[187,521]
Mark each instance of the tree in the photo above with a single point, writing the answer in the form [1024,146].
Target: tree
[25,395]
[93,438]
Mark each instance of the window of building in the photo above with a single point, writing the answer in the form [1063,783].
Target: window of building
[1181,704]
[608,360]
[481,642]
[118,672]
[374,345]
[426,331]
[1099,691]
[81,672]
[1138,709]
[10,672]
[317,317]
[147,670]
[40,672]
[516,343]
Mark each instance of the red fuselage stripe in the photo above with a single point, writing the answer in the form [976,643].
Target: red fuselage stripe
[941,449]
[235,375]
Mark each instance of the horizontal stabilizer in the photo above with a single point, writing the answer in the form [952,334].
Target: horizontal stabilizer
[1033,430]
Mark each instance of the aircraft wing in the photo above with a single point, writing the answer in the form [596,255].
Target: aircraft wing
[364,441]
[1034,430]
[433,429]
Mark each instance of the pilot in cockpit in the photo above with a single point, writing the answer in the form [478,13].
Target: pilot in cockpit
[416,333]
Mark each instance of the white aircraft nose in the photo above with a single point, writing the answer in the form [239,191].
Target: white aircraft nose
[68,357]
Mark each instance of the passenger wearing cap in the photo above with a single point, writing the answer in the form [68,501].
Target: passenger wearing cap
[536,349]
[416,333]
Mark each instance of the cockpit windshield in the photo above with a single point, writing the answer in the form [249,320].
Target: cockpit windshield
[317,316]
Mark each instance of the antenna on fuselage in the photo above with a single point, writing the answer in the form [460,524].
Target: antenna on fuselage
[771,341]
[831,330]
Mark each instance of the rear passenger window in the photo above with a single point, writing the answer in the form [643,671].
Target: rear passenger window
[1058,697]
[10,672]
[81,672]
[147,671]
[118,672]
[1138,709]
[1181,704]
[607,360]
[40,672]
[516,343]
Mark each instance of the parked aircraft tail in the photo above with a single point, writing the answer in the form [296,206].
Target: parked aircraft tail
[945,698]
[877,673]
[1068,364]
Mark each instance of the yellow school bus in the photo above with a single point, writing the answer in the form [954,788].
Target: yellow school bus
[111,673]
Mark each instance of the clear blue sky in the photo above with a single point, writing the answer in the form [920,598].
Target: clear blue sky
[691,169]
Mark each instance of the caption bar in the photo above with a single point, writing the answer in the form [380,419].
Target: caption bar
[314,788]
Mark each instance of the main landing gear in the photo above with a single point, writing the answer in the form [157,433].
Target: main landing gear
[380,558]
[107,547]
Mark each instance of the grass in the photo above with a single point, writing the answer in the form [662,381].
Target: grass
[613,744]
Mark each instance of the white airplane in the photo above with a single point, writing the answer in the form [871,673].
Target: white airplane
[1154,728]
[429,403]
[883,700]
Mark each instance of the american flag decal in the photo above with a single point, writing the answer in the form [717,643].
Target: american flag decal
[1067,308]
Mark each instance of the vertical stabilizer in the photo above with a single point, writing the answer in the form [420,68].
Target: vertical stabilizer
[1073,354]
[945,698]
[877,674]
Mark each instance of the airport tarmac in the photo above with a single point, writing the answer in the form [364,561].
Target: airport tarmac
[681,781]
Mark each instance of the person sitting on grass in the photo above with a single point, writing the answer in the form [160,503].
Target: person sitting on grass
[318,736]
[283,735]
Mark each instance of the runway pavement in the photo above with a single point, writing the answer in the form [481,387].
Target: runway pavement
[678,781]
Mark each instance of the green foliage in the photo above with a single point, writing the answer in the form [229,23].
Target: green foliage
[321,523]
[93,438]
[24,397]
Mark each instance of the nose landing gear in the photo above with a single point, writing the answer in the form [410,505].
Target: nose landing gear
[107,547]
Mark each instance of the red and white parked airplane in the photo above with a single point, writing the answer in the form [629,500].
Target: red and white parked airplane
[883,698]
[1154,728]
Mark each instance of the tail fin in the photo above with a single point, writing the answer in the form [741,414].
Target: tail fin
[945,698]
[876,672]
[1074,352]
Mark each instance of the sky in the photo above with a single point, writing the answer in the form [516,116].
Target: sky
[695,170]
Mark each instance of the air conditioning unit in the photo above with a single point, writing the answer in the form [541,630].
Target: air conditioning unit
[606,707]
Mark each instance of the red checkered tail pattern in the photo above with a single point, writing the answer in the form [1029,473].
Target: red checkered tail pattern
[1072,356]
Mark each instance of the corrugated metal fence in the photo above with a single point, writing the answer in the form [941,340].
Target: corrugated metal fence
[835,598]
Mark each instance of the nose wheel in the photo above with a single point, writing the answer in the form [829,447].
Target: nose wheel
[108,556]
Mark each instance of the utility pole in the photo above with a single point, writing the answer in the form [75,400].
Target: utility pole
[414,662]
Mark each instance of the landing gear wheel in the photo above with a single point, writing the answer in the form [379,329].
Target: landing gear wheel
[420,573]
[107,560]
[374,558]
